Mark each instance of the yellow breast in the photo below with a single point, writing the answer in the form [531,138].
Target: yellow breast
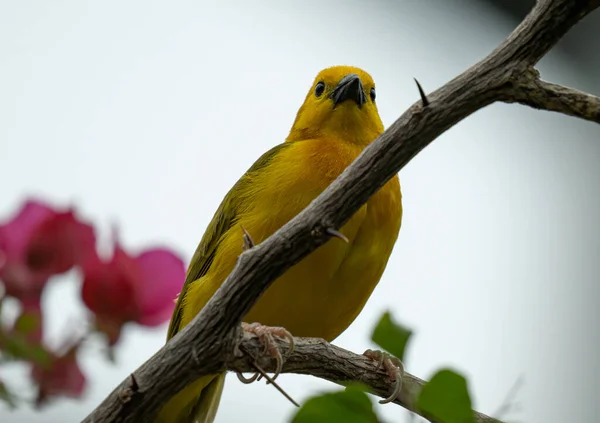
[321,295]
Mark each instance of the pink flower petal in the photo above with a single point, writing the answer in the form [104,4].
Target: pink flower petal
[162,276]
[19,281]
[59,243]
[3,260]
[15,235]
[109,287]
[109,291]
[62,377]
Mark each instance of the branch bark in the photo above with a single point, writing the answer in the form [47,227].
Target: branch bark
[531,91]
[316,357]
[210,339]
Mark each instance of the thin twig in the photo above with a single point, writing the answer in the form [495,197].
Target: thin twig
[260,371]
[509,404]
[271,381]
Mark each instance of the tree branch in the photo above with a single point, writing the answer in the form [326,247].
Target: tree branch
[211,337]
[531,91]
[316,357]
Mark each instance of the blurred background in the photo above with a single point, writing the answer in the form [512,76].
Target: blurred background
[144,114]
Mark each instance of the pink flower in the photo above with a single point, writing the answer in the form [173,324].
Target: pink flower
[132,289]
[38,243]
[62,376]
[18,279]
[60,243]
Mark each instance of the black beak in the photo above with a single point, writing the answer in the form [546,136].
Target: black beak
[350,87]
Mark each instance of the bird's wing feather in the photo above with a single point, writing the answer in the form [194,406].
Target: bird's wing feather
[224,218]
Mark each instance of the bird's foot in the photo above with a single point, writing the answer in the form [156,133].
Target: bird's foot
[265,335]
[394,369]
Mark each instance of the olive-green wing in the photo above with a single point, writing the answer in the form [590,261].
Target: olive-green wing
[224,218]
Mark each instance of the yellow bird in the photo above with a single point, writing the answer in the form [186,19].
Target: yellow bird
[321,295]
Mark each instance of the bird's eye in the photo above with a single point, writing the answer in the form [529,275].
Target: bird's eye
[319,89]
[372,94]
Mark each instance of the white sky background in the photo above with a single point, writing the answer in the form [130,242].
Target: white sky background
[145,114]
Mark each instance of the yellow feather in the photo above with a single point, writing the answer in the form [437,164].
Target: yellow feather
[323,294]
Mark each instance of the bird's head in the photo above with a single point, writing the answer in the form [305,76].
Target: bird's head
[340,104]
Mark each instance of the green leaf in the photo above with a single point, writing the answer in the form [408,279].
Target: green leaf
[349,406]
[16,347]
[445,398]
[39,355]
[391,336]
[27,323]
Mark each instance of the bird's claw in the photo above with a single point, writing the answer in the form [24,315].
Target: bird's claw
[394,369]
[265,335]
[245,379]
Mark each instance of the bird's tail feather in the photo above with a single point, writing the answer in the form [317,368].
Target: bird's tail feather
[196,403]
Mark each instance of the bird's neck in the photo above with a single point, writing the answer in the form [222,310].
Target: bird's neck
[356,136]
